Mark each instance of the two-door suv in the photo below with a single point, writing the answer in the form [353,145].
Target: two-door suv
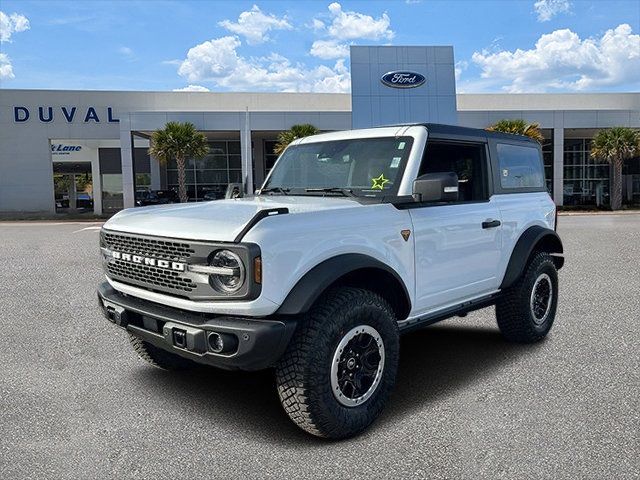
[354,238]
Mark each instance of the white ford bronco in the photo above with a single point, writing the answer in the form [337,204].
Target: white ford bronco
[354,238]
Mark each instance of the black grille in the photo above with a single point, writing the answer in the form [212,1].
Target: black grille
[160,277]
[149,276]
[148,247]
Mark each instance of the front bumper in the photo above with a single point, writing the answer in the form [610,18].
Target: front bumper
[255,343]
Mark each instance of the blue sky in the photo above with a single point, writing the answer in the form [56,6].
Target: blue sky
[500,46]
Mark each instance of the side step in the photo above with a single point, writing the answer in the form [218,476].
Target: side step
[460,310]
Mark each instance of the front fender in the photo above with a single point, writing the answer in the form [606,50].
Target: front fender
[318,279]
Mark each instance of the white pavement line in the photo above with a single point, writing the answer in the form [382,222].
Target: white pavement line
[89,228]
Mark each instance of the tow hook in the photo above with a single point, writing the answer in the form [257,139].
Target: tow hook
[114,313]
[179,338]
[185,337]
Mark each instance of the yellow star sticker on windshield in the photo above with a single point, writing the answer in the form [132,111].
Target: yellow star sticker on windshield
[378,183]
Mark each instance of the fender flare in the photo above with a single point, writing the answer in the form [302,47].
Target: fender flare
[532,237]
[304,294]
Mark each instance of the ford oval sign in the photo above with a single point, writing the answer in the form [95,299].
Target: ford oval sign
[401,79]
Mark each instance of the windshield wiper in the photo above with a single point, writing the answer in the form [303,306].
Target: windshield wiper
[283,191]
[347,192]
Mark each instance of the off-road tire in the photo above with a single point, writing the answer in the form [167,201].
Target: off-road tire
[513,309]
[158,357]
[303,375]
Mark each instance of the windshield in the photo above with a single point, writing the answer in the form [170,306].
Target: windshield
[363,166]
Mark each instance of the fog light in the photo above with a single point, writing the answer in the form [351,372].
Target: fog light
[222,342]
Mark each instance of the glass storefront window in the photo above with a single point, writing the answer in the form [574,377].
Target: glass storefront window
[586,182]
[207,178]
[73,187]
[143,181]
[112,192]
[547,156]
[635,189]
[270,156]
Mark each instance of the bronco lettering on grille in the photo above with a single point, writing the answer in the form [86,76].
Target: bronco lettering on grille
[154,262]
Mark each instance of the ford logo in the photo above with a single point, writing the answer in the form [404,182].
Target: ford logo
[401,79]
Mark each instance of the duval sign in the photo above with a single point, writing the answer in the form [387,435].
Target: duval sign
[403,79]
[46,114]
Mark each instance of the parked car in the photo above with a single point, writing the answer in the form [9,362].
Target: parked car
[84,200]
[354,238]
[213,194]
[156,197]
[62,200]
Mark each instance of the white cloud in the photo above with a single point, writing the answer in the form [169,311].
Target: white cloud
[192,88]
[563,61]
[254,25]
[211,59]
[547,9]
[353,25]
[317,25]
[6,69]
[329,49]
[10,24]
[346,27]
[127,53]
[218,61]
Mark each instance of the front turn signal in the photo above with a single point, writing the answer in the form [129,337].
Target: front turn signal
[257,270]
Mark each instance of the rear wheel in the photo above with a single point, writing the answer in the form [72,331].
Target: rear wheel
[158,357]
[526,311]
[341,364]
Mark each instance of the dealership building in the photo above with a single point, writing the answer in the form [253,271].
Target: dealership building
[68,151]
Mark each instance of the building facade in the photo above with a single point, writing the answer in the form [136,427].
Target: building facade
[86,151]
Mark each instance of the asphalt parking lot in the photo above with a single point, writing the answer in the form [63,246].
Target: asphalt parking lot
[77,403]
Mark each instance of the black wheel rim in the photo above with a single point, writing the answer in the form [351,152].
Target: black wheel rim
[541,298]
[357,366]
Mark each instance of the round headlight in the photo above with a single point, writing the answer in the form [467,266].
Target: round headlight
[231,275]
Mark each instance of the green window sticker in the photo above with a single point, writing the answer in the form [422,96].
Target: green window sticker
[379,182]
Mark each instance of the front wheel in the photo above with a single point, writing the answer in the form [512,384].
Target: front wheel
[340,367]
[526,311]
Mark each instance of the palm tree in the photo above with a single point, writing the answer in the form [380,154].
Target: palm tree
[178,141]
[295,132]
[518,127]
[615,145]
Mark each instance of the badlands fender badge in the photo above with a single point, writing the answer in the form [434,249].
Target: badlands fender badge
[405,234]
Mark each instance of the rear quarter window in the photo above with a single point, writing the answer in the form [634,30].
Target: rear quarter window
[520,166]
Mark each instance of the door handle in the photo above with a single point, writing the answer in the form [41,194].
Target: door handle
[491,224]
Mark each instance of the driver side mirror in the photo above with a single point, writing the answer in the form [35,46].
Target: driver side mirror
[436,187]
[234,190]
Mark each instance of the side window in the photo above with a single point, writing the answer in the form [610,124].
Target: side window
[467,160]
[520,166]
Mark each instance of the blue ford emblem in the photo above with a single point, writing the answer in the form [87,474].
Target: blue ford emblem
[402,79]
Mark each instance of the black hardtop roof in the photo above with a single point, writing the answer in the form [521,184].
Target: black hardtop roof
[440,129]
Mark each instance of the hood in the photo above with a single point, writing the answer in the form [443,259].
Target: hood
[218,220]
